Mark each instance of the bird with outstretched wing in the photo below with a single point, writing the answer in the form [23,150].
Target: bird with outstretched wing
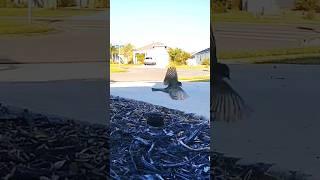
[174,87]
[226,104]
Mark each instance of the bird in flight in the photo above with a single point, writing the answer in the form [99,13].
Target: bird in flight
[226,104]
[174,87]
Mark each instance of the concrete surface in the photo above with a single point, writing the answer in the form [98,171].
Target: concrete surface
[284,128]
[198,101]
[83,100]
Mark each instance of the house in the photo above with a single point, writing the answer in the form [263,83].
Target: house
[157,51]
[286,4]
[198,57]
[261,7]
[36,3]
[55,4]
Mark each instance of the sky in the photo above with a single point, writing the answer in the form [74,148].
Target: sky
[183,24]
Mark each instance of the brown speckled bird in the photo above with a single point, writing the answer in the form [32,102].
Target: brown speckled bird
[226,104]
[174,87]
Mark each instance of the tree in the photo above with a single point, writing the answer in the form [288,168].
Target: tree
[113,52]
[140,58]
[308,5]
[127,52]
[178,56]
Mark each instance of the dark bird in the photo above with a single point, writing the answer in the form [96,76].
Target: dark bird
[226,104]
[174,87]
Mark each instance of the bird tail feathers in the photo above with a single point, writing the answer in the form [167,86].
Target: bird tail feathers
[157,89]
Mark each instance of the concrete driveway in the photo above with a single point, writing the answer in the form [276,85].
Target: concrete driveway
[284,128]
[197,103]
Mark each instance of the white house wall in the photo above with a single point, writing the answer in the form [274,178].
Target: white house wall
[160,55]
[260,7]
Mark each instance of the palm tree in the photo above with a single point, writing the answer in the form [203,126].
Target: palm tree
[113,52]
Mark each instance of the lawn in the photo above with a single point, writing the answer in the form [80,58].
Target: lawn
[286,17]
[306,55]
[195,79]
[14,27]
[40,12]
[269,53]
[306,59]
[199,67]
[116,68]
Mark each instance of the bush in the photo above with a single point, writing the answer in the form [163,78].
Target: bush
[178,56]
[140,58]
[3,3]
[311,14]
[236,4]
[307,5]
[219,7]
[101,3]
[66,3]
[206,62]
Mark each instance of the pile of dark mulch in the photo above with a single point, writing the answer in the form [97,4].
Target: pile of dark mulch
[179,150]
[35,146]
[224,167]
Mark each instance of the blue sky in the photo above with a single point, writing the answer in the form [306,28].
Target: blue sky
[178,23]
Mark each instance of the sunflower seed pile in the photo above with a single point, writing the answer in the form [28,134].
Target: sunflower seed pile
[35,146]
[179,150]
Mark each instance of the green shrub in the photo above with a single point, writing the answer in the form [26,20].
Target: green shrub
[311,14]
[219,7]
[3,3]
[206,61]
[66,3]
[178,56]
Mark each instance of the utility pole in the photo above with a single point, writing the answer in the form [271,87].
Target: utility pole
[30,11]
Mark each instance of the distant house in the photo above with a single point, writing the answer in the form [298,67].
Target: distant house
[198,57]
[37,3]
[54,3]
[261,7]
[154,52]
[286,4]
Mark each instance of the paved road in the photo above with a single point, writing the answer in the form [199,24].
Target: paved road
[79,39]
[241,36]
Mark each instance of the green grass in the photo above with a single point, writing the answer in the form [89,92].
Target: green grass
[199,67]
[285,17]
[269,53]
[195,79]
[115,68]
[9,27]
[39,12]
[315,60]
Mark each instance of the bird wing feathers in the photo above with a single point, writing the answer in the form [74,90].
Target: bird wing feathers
[171,76]
[227,104]
[177,93]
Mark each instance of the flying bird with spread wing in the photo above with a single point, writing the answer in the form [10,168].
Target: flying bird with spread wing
[174,87]
[226,104]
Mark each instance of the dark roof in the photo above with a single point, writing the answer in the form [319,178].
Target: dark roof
[202,52]
[152,45]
